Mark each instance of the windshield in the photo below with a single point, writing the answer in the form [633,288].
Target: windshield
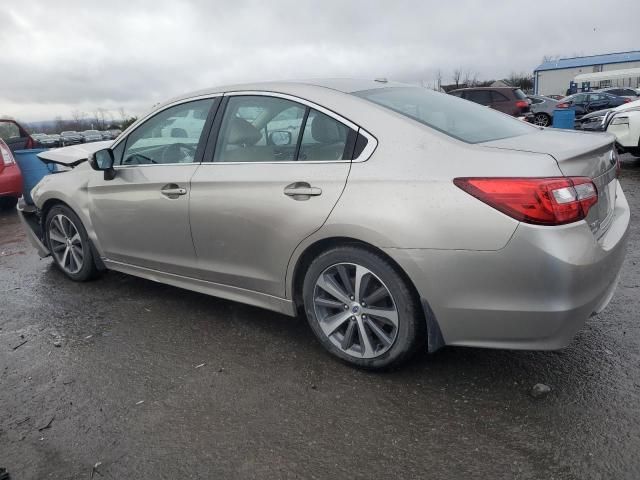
[461,119]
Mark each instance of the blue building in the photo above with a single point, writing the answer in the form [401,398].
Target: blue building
[553,77]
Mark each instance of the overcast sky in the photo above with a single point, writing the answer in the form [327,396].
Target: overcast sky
[61,56]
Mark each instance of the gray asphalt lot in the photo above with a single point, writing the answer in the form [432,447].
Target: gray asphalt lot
[126,389]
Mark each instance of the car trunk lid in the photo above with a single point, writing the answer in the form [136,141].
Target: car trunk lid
[578,154]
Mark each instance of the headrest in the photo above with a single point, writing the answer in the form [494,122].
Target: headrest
[242,132]
[325,129]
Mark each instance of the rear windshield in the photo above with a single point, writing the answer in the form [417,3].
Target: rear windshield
[461,119]
[519,94]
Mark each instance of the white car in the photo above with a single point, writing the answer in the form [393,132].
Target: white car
[624,123]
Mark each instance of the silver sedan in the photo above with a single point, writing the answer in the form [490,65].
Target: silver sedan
[393,217]
[542,108]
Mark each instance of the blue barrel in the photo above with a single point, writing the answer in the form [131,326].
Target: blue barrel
[32,168]
[564,118]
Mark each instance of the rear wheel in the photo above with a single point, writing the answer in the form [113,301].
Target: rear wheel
[69,244]
[634,151]
[542,119]
[361,309]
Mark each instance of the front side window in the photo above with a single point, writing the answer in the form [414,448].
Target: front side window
[272,129]
[452,116]
[171,136]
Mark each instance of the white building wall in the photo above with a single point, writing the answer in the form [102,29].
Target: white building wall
[556,82]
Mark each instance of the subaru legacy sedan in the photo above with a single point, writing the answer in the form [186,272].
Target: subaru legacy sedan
[393,217]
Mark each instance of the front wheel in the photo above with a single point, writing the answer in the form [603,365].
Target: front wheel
[69,244]
[361,309]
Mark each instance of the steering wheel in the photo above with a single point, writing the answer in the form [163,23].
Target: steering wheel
[179,153]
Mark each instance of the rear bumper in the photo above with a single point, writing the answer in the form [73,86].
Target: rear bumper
[10,181]
[31,225]
[535,293]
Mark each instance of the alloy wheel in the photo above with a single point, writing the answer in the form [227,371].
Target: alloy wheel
[355,310]
[541,120]
[66,244]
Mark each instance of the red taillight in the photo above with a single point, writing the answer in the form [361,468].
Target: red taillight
[30,143]
[522,104]
[5,155]
[541,201]
[562,105]
[626,100]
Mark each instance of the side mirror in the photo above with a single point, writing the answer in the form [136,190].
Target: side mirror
[102,160]
[280,138]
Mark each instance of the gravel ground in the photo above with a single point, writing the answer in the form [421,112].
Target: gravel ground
[124,378]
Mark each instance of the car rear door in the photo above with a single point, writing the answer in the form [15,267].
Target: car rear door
[501,103]
[596,101]
[141,217]
[274,168]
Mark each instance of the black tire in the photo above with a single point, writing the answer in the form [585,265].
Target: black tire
[7,203]
[411,329]
[542,119]
[88,270]
[635,151]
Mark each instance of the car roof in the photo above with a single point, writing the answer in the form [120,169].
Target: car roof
[344,85]
[484,88]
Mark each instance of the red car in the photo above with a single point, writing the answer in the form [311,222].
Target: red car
[10,178]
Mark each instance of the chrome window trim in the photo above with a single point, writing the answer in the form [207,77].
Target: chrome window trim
[372,142]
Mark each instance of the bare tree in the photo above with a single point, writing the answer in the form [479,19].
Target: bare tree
[79,119]
[470,78]
[457,74]
[103,117]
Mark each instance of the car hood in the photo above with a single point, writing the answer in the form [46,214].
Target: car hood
[73,155]
[599,113]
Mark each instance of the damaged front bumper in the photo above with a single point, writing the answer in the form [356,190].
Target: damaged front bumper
[30,218]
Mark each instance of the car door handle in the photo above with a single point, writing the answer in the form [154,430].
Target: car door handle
[301,191]
[172,190]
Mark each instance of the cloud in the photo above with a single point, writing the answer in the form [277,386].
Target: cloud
[78,55]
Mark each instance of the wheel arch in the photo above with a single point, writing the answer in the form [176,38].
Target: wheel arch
[44,211]
[311,251]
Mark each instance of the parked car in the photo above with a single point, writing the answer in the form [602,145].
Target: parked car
[629,93]
[115,133]
[106,135]
[91,136]
[509,100]
[393,216]
[10,178]
[622,121]
[555,97]
[46,141]
[584,103]
[542,109]
[15,135]
[70,138]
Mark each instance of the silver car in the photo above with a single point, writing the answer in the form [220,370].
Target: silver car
[393,217]
[542,108]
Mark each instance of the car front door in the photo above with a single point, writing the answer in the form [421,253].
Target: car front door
[141,217]
[596,101]
[278,168]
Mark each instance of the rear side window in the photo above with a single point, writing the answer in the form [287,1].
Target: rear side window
[452,116]
[9,130]
[483,97]
[498,97]
[519,94]
[269,129]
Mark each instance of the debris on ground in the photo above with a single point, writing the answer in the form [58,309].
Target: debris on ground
[57,343]
[140,402]
[4,475]
[94,469]
[19,345]
[539,390]
[48,425]
[201,365]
